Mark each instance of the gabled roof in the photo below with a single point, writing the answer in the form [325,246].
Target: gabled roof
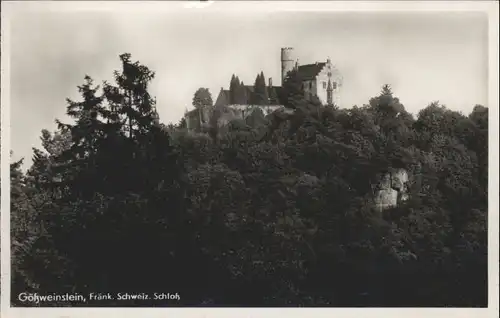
[310,71]
[223,99]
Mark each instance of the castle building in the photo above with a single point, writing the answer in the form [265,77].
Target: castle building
[320,79]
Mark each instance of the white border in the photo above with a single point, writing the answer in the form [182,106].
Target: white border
[489,7]
[5,160]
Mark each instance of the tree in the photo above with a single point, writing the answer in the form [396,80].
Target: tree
[479,118]
[21,214]
[182,123]
[129,100]
[88,115]
[202,98]
[274,210]
[262,90]
[256,118]
[387,108]
[273,96]
[241,97]
[293,89]
[260,94]
[233,86]
[91,190]
[44,172]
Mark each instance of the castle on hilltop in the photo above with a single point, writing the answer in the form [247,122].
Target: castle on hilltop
[319,79]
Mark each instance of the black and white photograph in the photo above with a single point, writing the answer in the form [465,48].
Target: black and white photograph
[242,154]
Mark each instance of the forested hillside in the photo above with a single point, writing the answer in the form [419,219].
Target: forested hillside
[271,211]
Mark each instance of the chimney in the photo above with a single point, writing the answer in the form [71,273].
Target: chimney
[270,82]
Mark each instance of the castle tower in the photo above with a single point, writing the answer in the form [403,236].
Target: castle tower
[287,62]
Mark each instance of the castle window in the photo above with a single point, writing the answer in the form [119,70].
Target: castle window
[334,85]
[310,85]
[324,85]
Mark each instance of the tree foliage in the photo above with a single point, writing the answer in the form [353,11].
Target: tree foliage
[233,87]
[260,92]
[202,98]
[275,210]
[241,95]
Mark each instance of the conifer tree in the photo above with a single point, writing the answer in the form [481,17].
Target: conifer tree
[262,90]
[96,192]
[260,94]
[252,98]
[130,97]
[87,114]
[241,94]
[233,85]
[48,162]
[386,104]
[19,209]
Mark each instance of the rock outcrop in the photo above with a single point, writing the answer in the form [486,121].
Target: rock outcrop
[392,189]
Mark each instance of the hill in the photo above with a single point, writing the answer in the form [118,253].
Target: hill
[270,211]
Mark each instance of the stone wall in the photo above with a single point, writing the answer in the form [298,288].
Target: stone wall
[246,110]
[198,119]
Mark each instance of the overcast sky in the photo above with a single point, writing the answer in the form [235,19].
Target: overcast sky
[423,56]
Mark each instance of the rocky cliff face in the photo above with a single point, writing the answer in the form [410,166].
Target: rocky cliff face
[392,189]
